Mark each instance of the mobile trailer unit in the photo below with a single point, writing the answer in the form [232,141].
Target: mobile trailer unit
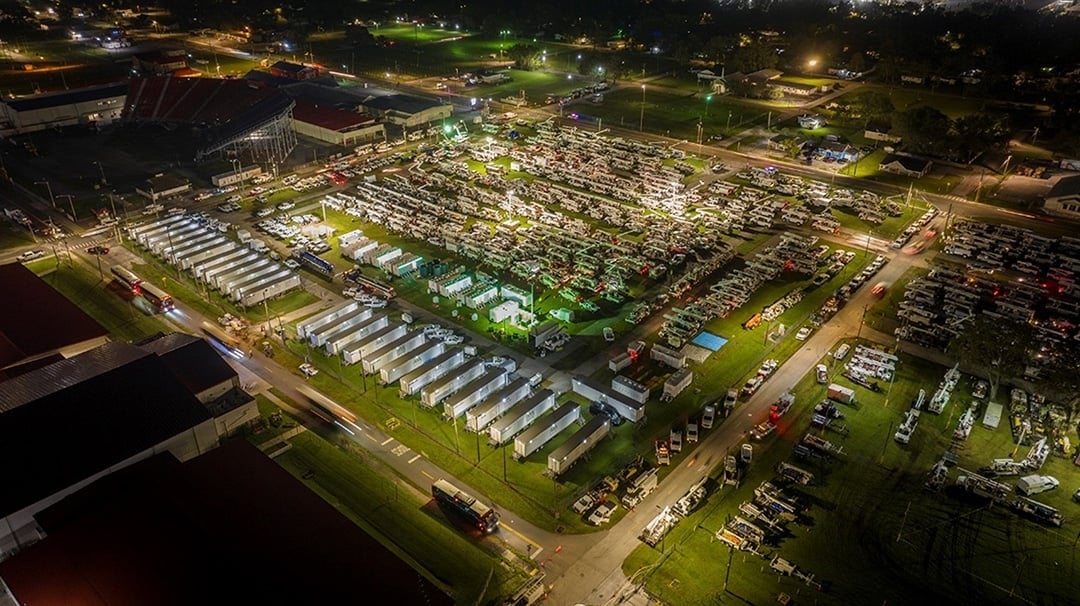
[197,242]
[252,293]
[481,415]
[319,336]
[629,409]
[284,283]
[534,438]
[257,280]
[247,275]
[448,382]
[227,280]
[305,328]
[146,233]
[392,371]
[474,392]
[394,351]
[210,252]
[341,326]
[414,381]
[238,255]
[345,337]
[352,353]
[583,440]
[630,388]
[178,249]
[172,237]
[138,232]
[520,415]
[197,268]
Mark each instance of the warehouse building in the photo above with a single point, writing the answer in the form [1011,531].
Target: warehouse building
[91,106]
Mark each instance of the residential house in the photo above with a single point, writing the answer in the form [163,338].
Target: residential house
[908,166]
[1063,199]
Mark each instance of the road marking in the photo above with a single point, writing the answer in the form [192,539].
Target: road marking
[386,441]
[400,449]
[429,476]
[517,534]
[413,459]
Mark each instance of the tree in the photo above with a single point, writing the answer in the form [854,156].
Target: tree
[1060,379]
[525,56]
[873,106]
[979,133]
[924,129]
[997,347]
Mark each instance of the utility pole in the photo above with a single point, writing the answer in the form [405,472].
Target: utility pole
[641,120]
[48,187]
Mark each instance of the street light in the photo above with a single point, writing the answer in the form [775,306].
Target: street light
[708,99]
[49,188]
[71,201]
[641,120]
[104,181]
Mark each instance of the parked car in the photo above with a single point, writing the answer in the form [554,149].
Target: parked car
[609,334]
[98,250]
[308,369]
[292,264]
[822,374]
[803,334]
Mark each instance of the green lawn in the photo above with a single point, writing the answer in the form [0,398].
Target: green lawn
[125,318]
[904,99]
[402,519]
[871,533]
[677,112]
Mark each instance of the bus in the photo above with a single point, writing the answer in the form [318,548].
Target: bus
[329,411]
[375,286]
[127,278]
[468,507]
[160,299]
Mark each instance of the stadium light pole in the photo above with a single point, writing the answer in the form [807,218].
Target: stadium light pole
[49,189]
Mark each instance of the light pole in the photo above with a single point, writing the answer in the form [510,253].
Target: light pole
[104,181]
[708,99]
[641,120]
[71,201]
[49,189]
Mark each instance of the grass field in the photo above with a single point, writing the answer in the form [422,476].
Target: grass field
[126,318]
[365,491]
[871,533]
[666,112]
[904,99]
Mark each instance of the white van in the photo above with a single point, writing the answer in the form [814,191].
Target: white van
[1034,484]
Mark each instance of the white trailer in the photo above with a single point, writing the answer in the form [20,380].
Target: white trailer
[392,371]
[394,351]
[619,362]
[197,267]
[677,382]
[630,388]
[172,238]
[481,415]
[289,281]
[591,390]
[318,336]
[448,382]
[248,277]
[474,392]
[138,233]
[534,438]
[414,381]
[354,352]
[226,279]
[208,254]
[191,246]
[844,395]
[306,327]
[359,250]
[577,445]
[667,356]
[347,335]
[248,294]
[221,263]
[162,230]
[520,416]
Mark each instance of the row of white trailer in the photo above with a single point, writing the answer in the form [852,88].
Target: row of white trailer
[243,275]
[489,396]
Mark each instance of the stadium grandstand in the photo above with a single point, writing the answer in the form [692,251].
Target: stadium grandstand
[229,117]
